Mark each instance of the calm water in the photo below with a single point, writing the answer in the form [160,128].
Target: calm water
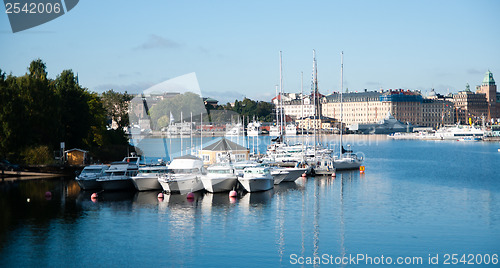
[416,198]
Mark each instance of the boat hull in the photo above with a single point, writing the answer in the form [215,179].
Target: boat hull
[257,184]
[182,184]
[346,164]
[279,176]
[88,184]
[216,185]
[117,184]
[294,174]
[146,184]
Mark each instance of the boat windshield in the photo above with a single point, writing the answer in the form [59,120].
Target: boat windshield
[152,171]
[91,171]
[185,170]
[219,171]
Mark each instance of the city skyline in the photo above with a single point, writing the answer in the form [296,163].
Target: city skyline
[234,47]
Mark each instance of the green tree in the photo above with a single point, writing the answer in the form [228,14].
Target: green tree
[116,106]
[75,114]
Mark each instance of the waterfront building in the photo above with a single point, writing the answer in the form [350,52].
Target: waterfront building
[469,106]
[363,107]
[405,105]
[219,151]
[489,89]
[437,112]
[318,122]
[296,105]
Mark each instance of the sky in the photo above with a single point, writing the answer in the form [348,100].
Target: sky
[233,46]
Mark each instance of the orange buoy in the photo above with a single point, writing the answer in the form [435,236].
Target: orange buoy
[362,169]
[304,175]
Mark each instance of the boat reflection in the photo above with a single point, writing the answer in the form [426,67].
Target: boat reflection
[256,199]
[146,198]
[285,187]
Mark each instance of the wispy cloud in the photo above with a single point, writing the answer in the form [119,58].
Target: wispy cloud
[473,71]
[223,97]
[133,88]
[157,42]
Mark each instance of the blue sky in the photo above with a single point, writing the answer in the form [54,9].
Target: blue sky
[233,46]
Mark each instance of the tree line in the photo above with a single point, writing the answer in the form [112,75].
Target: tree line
[37,113]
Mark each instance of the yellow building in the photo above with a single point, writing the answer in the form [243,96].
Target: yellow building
[76,157]
[219,150]
[321,122]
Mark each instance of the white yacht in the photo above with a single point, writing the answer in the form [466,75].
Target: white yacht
[233,130]
[291,130]
[88,176]
[279,174]
[274,131]
[324,166]
[253,129]
[346,158]
[241,165]
[257,179]
[455,133]
[220,178]
[185,176]
[119,175]
[294,173]
[147,178]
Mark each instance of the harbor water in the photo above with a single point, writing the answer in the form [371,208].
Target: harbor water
[418,200]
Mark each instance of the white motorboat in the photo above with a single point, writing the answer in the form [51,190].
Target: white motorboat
[147,178]
[455,133]
[274,131]
[88,176]
[324,166]
[220,178]
[233,130]
[294,173]
[291,130]
[241,165]
[119,175]
[253,129]
[257,179]
[185,176]
[279,174]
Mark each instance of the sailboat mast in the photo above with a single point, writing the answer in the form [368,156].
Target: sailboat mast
[341,89]
[281,94]
[201,132]
[277,105]
[314,88]
[302,103]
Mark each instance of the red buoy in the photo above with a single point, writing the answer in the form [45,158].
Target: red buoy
[233,193]
[48,194]
[304,175]
[94,196]
[190,195]
[160,195]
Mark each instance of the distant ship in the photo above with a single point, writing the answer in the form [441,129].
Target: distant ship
[385,126]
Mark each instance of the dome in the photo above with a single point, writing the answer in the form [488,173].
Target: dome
[432,93]
[488,78]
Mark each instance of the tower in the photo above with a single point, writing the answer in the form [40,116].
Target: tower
[489,88]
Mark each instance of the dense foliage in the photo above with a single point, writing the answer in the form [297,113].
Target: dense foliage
[37,113]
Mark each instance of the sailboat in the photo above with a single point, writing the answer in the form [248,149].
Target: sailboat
[346,158]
